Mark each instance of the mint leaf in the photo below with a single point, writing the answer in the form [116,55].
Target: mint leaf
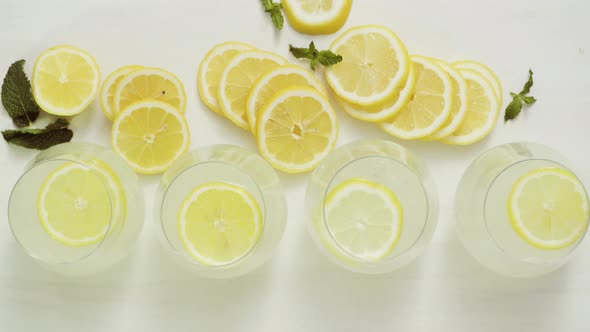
[529,100]
[528,85]
[274,10]
[325,58]
[40,139]
[17,97]
[513,109]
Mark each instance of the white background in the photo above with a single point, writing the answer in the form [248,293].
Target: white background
[299,290]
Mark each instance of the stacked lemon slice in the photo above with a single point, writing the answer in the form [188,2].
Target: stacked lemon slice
[412,97]
[285,106]
[147,107]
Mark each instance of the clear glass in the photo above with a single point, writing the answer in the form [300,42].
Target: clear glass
[388,164]
[232,165]
[125,221]
[483,223]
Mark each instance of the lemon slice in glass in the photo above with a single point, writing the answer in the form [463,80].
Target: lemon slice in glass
[548,208]
[74,205]
[219,223]
[364,218]
[65,80]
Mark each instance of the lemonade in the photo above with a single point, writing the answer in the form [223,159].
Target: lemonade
[520,211]
[372,206]
[222,211]
[77,208]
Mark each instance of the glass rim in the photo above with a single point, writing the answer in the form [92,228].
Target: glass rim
[96,246]
[184,254]
[326,193]
[572,248]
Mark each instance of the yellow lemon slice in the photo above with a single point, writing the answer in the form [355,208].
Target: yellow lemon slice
[274,81]
[364,218]
[297,129]
[219,223]
[65,80]
[429,106]
[548,208]
[484,71]
[375,64]
[149,84]
[211,68]
[107,90]
[482,111]
[316,17]
[237,80]
[150,136]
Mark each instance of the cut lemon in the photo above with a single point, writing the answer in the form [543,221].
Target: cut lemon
[429,106]
[150,136]
[237,80]
[150,83]
[364,219]
[459,105]
[211,68]
[548,208]
[388,109]
[219,223]
[486,72]
[115,187]
[375,64]
[297,129]
[74,206]
[316,17]
[482,111]
[107,90]
[65,80]
[274,81]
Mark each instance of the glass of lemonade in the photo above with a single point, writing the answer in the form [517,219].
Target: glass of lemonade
[520,210]
[77,208]
[221,211]
[372,206]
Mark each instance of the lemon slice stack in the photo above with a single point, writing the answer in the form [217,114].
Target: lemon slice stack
[283,105]
[412,97]
[147,108]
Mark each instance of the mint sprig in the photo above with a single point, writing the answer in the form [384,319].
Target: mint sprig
[40,139]
[274,10]
[516,105]
[326,58]
[17,96]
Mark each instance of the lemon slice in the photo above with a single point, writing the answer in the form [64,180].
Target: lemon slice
[482,111]
[211,68]
[116,190]
[65,80]
[486,72]
[388,109]
[237,80]
[375,64]
[316,17]
[150,136]
[274,81]
[149,83]
[74,206]
[429,106]
[107,90]
[297,129]
[219,223]
[548,208]
[459,105]
[364,219]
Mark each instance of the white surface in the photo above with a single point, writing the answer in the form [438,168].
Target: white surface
[299,290]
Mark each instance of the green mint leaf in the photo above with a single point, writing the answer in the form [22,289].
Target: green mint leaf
[325,58]
[40,139]
[513,108]
[274,10]
[528,85]
[17,97]
[529,100]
